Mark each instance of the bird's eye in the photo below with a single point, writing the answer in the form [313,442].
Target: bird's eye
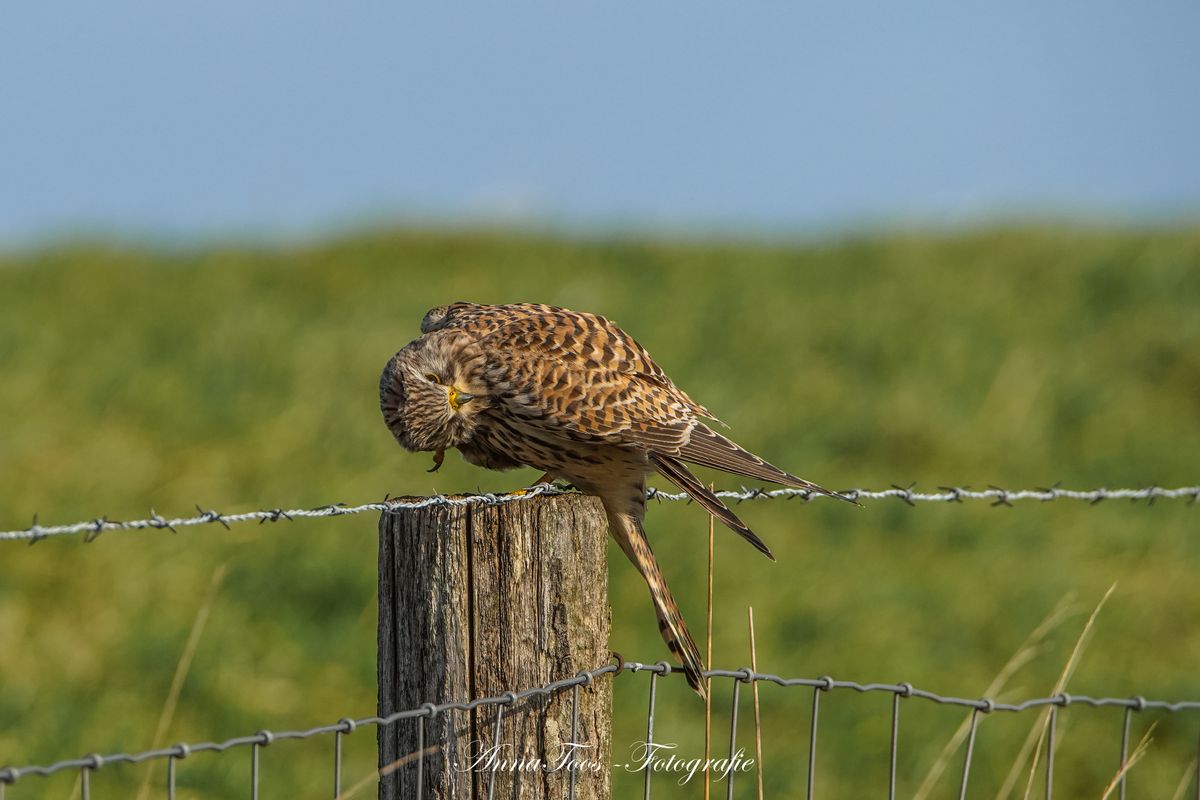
[429,376]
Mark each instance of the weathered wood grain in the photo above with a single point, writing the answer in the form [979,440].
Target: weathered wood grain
[479,601]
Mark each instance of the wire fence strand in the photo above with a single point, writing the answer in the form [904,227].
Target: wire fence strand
[994,495]
[978,706]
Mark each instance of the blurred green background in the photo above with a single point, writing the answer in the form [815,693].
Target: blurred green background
[243,377]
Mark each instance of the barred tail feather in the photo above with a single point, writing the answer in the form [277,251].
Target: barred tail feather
[679,641]
[627,530]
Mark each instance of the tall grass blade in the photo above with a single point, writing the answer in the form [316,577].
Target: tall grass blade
[1023,655]
[1043,723]
[182,668]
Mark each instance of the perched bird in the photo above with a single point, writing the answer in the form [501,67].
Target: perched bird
[573,395]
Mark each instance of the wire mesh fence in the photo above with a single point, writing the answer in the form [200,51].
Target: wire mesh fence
[14,778]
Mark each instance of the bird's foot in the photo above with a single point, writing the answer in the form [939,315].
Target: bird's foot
[546,480]
[558,483]
[438,458]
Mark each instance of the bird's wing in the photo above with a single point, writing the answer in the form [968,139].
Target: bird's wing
[708,448]
[578,374]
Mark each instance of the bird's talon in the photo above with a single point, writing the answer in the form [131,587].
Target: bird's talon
[438,458]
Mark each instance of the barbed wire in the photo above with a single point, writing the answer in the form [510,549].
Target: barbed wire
[995,495]
[900,691]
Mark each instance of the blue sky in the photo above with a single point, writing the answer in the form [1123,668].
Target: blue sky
[214,118]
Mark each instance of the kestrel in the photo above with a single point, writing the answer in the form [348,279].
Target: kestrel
[574,396]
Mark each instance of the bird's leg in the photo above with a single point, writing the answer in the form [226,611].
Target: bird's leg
[438,458]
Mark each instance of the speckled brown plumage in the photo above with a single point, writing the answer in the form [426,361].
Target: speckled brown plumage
[573,395]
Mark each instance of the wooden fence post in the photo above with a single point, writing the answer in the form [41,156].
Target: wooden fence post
[476,601]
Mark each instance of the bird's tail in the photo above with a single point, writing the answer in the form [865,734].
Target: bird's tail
[631,536]
[677,473]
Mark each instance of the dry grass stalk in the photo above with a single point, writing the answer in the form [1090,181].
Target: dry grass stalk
[167,715]
[1023,655]
[1192,770]
[386,770]
[1134,758]
[1043,724]
[757,718]
[708,661]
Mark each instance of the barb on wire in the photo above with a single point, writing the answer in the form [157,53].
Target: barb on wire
[995,495]
[346,725]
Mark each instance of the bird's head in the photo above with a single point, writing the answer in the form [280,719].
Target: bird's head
[428,401]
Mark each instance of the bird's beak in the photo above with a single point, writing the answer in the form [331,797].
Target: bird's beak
[459,399]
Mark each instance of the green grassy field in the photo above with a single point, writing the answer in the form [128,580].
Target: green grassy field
[241,378]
